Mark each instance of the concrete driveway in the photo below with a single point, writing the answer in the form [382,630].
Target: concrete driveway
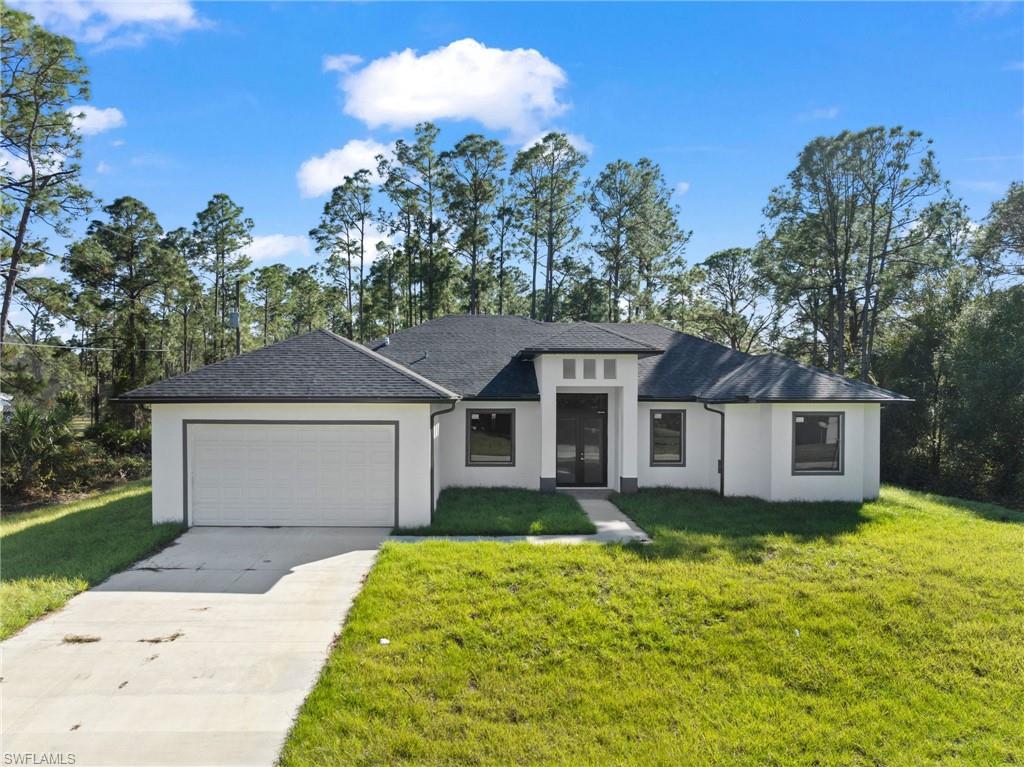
[200,655]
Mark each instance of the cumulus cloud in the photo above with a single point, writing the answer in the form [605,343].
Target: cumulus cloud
[320,174]
[104,168]
[820,113]
[90,120]
[113,22]
[575,139]
[341,62]
[265,247]
[682,188]
[515,90]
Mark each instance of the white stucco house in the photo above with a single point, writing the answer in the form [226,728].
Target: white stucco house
[319,430]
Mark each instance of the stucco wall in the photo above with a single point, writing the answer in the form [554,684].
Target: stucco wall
[413,446]
[759,453]
[450,458]
[702,436]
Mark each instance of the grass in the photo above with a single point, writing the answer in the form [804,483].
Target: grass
[504,511]
[54,552]
[885,633]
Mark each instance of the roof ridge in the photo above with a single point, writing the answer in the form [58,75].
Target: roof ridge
[396,366]
[620,335]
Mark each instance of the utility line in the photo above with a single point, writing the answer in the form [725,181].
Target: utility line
[71,346]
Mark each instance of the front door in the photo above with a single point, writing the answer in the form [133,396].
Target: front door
[582,440]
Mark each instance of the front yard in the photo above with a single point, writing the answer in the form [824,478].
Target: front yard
[53,553]
[747,633]
[504,511]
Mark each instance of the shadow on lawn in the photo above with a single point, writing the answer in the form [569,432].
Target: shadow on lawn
[698,525]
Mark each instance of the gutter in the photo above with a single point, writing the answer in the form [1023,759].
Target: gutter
[432,417]
[721,449]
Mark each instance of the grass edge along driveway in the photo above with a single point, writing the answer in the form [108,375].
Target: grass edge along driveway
[747,633]
[56,551]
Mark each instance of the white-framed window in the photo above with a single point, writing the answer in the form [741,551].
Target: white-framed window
[609,369]
[568,369]
[590,369]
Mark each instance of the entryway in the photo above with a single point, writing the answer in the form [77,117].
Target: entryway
[581,453]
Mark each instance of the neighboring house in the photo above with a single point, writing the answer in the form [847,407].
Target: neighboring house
[319,430]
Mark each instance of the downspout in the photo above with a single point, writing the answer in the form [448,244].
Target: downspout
[432,417]
[721,449]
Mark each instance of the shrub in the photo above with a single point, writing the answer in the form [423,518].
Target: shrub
[120,440]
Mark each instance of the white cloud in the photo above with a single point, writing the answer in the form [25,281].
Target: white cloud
[820,113]
[265,247]
[514,90]
[113,22]
[682,188]
[104,168]
[1014,66]
[13,166]
[341,62]
[575,139]
[319,175]
[91,120]
[117,142]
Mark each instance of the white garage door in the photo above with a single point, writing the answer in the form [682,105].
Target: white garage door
[291,474]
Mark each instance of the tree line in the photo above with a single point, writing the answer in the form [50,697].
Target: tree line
[866,266]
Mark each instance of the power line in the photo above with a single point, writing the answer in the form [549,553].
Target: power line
[72,346]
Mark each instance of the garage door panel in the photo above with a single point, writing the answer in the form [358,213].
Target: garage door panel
[292,474]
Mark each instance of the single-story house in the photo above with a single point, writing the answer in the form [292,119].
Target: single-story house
[320,430]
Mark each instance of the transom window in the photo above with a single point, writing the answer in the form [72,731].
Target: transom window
[817,443]
[490,437]
[590,368]
[568,368]
[609,369]
[668,438]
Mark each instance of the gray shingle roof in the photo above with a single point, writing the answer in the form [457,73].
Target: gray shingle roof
[481,357]
[473,355]
[315,366]
[587,337]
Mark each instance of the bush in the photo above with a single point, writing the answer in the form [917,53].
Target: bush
[41,456]
[120,440]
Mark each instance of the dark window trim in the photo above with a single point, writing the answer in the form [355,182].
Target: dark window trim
[682,437]
[501,464]
[842,444]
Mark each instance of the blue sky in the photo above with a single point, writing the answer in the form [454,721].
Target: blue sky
[234,97]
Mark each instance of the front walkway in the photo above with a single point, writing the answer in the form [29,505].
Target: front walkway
[200,655]
[612,526]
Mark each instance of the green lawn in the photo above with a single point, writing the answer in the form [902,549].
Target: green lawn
[52,553]
[504,511]
[889,633]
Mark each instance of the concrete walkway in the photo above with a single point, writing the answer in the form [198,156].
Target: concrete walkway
[200,655]
[612,526]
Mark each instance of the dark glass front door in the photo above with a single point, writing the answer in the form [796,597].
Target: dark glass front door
[582,440]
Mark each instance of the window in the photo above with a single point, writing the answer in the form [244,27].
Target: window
[817,443]
[668,438]
[590,368]
[490,437]
[609,368]
[568,368]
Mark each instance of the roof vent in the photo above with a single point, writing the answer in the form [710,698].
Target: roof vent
[387,340]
